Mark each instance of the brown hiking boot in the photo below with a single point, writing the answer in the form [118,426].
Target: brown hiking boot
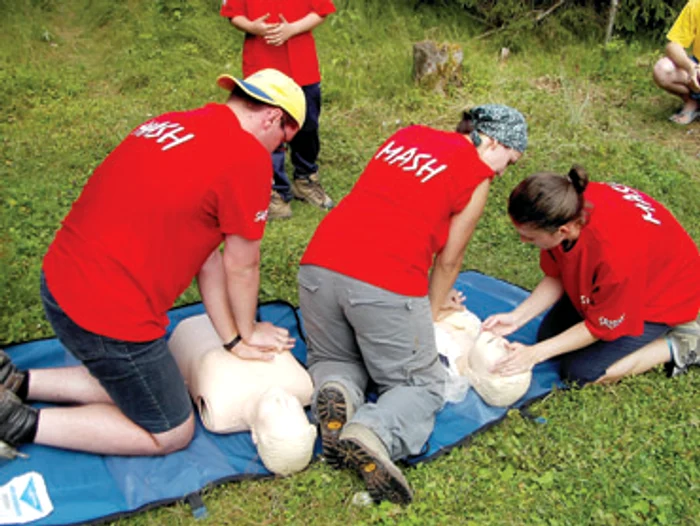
[333,411]
[364,451]
[278,208]
[311,191]
[17,423]
[10,377]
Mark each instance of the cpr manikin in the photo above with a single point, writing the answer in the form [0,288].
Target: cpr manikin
[470,353]
[232,394]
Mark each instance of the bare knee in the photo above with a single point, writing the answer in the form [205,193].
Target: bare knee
[175,439]
[665,72]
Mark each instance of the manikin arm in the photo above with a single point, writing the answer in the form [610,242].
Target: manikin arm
[449,261]
[547,292]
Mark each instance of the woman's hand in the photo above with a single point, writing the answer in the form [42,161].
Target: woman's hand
[267,336]
[520,359]
[501,324]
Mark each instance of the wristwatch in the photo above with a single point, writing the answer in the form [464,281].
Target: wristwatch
[230,345]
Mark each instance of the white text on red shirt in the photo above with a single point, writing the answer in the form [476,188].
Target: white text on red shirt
[410,160]
[632,195]
[163,131]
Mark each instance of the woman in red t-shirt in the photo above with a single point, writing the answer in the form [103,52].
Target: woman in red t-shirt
[621,272]
[374,276]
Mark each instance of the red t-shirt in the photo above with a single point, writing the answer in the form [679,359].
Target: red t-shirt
[297,56]
[397,217]
[633,263]
[151,214]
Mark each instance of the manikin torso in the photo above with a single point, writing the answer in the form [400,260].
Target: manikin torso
[227,389]
[232,394]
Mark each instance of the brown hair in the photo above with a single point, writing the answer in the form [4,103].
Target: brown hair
[546,200]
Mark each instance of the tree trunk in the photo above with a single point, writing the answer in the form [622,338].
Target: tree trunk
[611,20]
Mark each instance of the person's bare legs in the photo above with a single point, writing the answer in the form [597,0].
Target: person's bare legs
[104,429]
[66,385]
[675,80]
[98,426]
[646,358]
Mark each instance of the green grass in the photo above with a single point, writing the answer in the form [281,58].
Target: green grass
[77,75]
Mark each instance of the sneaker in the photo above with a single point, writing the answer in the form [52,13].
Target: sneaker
[311,191]
[365,452]
[10,377]
[17,423]
[278,208]
[333,411]
[684,341]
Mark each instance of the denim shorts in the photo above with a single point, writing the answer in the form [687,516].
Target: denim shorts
[588,364]
[142,378]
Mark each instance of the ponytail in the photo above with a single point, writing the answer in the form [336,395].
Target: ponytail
[547,200]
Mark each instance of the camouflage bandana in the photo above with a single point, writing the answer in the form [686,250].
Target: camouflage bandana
[503,123]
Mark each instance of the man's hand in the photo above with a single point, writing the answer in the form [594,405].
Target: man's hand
[267,336]
[278,34]
[247,352]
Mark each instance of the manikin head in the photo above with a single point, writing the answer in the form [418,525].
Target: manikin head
[472,352]
[282,433]
[494,389]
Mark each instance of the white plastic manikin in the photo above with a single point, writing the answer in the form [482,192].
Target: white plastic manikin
[232,394]
[471,353]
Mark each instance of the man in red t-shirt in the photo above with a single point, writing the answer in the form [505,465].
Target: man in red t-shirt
[278,34]
[151,218]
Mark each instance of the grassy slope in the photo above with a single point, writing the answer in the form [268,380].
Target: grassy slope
[77,75]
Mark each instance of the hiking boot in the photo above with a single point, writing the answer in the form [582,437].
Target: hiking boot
[278,208]
[311,191]
[365,452]
[17,423]
[10,377]
[333,411]
[684,341]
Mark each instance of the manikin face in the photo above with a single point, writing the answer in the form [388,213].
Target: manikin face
[542,239]
[488,349]
[498,157]
[277,410]
[282,433]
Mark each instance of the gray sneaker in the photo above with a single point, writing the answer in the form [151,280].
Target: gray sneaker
[685,347]
[10,377]
[333,412]
[311,191]
[365,452]
[278,208]
[17,423]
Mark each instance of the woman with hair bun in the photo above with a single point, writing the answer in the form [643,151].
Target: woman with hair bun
[623,276]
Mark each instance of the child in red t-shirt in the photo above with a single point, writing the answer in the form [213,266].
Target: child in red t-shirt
[278,34]
[621,272]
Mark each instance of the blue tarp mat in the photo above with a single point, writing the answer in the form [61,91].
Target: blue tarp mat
[88,488]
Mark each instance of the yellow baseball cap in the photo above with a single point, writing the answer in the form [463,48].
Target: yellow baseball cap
[271,87]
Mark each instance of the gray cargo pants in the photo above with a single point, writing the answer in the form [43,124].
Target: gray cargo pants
[357,332]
